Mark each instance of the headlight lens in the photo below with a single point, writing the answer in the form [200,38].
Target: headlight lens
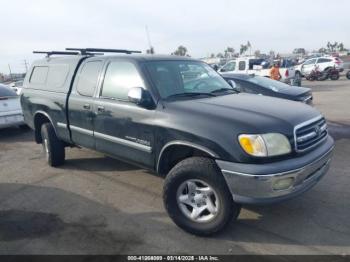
[265,145]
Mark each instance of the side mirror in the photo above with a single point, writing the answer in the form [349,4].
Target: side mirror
[140,96]
[234,85]
[221,70]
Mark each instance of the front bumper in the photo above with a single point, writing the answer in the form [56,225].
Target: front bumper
[254,183]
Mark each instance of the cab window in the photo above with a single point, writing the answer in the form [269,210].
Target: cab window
[120,77]
[88,78]
[241,65]
[231,66]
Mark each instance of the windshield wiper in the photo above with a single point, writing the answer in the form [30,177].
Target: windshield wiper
[222,90]
[190,94]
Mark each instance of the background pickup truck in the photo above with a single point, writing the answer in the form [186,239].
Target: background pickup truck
[177,117]
[259,67]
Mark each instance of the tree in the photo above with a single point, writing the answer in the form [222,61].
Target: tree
[229,52]
[181,51]
[299,51]
[243,49]
[150,51]
[212,55]
[249,46]
[322,50]
[341,47]
[257,53]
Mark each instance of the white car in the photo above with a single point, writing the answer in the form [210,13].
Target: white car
[252,65]
[17,86]
[10,108]
[322,63]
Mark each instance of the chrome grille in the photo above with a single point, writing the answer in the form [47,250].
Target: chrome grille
[310,133]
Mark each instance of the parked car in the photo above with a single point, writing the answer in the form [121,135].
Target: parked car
[177,117]
[265,86]
[258,66]
[322,63]
[10,108]
[16,86]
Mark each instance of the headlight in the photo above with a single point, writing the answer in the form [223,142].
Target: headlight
[264,145]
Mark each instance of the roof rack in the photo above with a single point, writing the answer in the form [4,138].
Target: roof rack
[85,51]
[50,53]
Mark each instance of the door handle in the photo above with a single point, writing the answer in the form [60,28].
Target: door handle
[86,106]
[100,108]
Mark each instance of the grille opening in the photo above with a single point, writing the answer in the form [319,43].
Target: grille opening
[310,134]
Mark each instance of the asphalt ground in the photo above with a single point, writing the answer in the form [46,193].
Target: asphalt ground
[97,205]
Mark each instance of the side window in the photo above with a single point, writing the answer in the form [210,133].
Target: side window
[231,66]
[324,60]
[241,65]
[120,77]
[310,62]
[39,75]
[88,78]
[57,75]
[245,87]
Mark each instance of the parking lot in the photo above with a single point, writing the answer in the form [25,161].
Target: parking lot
[98,205]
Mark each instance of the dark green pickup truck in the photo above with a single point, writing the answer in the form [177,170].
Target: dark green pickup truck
[216,148]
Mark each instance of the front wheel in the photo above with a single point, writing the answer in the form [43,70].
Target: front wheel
[197,198]
[348,75]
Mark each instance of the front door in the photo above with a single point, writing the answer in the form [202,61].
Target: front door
[123,129]
[81,114]
[308,66]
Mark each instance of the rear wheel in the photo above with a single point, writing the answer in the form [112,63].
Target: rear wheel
[197,198]
[334,76]
[53,147]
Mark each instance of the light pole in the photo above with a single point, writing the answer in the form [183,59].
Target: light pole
[10,71]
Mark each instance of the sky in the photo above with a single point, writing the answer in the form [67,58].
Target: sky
[203,27]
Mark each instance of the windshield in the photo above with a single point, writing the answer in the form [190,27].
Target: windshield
[268,83]
[185,77]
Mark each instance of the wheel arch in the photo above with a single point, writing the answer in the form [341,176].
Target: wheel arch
[175,151]
[40,118]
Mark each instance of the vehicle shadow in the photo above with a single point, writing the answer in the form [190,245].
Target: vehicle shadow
[55,221]
[14,134]
[103,163]
[46,220]
[302,221]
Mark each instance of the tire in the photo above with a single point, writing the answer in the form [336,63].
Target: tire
[334,76]
[200,171]
[310,78]
[348,75]
[53,147]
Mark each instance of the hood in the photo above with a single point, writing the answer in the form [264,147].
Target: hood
[247,112]
[294,91]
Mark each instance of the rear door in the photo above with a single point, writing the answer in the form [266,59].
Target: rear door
[80,109]
[121,128]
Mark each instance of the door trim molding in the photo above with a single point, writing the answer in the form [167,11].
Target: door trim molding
[82,130]
[124,142]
